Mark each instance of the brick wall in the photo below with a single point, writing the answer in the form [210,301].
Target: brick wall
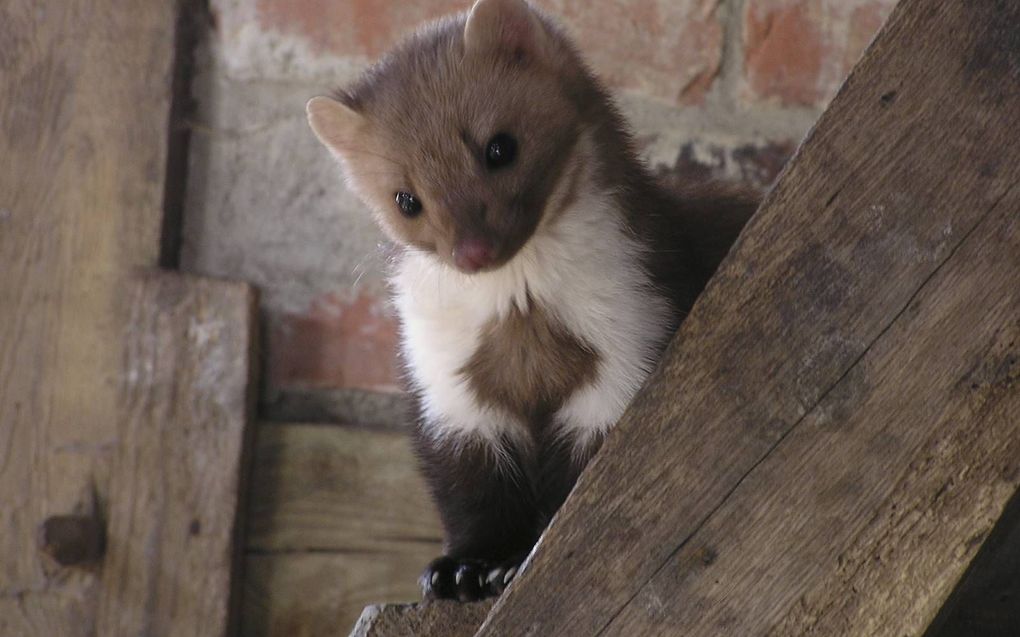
[723,88]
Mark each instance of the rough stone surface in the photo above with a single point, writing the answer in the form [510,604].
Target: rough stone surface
[670,49]
[713,88]
[343,405]
[335,344]
[798,52]
[756,163]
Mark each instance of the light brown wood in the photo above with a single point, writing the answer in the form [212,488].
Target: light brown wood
[772,476]
[333,488]
[86,92]
[339,518]
[447,618]
[60,612]
[185,405]
[314,594]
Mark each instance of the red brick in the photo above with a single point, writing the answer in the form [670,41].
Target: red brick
[798,52]
[671,49]
[865,21]
[335,345]
[351,27]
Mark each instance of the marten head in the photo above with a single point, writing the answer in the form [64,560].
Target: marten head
[469,137]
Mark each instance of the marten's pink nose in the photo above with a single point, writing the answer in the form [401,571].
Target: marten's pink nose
[471,255]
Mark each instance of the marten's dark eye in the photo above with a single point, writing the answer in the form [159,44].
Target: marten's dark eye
[408,204]
[500,151]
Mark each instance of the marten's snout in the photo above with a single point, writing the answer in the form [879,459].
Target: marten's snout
[473,254]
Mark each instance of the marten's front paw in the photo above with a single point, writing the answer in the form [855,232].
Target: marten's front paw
[466,580]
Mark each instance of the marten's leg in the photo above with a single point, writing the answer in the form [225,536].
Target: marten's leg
[488,510]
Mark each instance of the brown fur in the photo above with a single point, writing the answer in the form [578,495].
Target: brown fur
[529,365]
[429,110]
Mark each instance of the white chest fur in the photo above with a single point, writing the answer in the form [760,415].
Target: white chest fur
[585,269]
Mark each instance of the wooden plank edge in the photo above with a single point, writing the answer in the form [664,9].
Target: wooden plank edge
[447,618]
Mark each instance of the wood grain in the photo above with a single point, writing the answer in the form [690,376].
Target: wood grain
[86,89]
[185,405]
[315,594]
[863,518]
[331,488]
[911,163]
[65,611]
[447,618]
[338,518]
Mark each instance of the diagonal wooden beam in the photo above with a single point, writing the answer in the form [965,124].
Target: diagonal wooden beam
[833,431]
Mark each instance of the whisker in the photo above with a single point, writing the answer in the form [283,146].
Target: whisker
[360,270]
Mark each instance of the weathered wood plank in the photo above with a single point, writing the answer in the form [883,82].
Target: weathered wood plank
[450,619]
[48,613]
[322,488]
[338,518]
[865,515]
[86,92]
[185,405]
[322,594]
[909,159]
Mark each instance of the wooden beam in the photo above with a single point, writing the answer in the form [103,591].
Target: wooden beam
[84,112]
[323,593]
[829,436]
[186,400]
[339,518]
[450,619]
[862,519]
[336,488]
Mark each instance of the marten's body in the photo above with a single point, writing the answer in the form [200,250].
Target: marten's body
[543,268]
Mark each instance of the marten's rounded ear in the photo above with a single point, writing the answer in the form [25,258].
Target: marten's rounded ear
[337,126]
[509,27]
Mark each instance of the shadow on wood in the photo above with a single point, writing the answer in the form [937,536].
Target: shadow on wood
[987,601]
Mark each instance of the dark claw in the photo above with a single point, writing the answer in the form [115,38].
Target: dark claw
[500,577]
[437,582]
[451,578]
[467,580]
[509,576]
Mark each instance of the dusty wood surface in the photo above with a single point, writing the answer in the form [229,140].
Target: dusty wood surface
[450,619]
[185,404]
[338,518]
[829,438]
[862,519]
[85,103]
[317,594]
[321,488]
